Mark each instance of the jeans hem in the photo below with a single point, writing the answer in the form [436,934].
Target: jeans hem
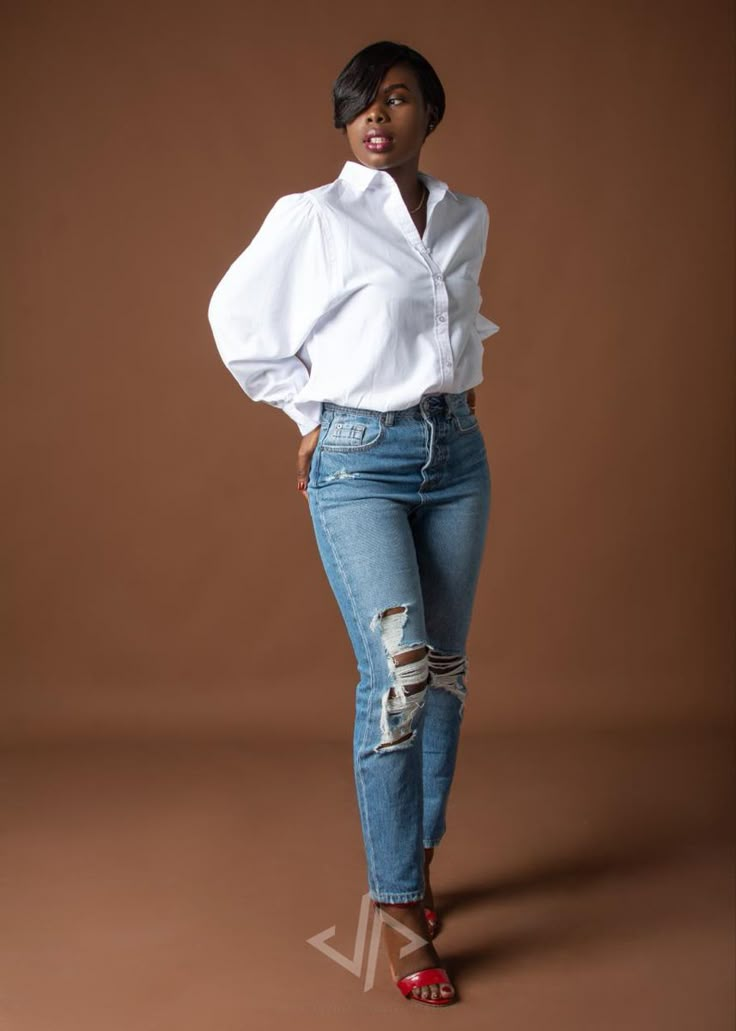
[405,896]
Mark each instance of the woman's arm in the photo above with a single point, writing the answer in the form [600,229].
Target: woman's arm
[483,325]
[267,302]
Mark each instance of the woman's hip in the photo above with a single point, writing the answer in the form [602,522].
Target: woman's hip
[436,445]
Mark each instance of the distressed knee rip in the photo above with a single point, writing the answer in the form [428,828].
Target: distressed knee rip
[409,670]
[449,672]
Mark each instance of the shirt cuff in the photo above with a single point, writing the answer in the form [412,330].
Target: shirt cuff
[306,414]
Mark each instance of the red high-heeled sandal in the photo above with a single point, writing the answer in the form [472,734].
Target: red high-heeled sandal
[420,978]
[432,975]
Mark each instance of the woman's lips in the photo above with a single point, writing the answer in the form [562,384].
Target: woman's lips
[378,143]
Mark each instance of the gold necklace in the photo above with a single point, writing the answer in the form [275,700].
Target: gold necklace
[424,197]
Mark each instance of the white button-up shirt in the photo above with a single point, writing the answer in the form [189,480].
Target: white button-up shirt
[338,298]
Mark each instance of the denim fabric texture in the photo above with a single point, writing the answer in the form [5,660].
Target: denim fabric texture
[400,504]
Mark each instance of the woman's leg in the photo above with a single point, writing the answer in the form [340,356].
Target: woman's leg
[367,550]
[449,532]
[370,474]
[368,555]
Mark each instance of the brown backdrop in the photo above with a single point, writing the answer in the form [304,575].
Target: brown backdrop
[161,569]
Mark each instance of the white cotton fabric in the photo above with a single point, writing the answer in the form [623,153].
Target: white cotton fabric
[337,298]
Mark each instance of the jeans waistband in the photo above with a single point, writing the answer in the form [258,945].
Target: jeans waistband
[430,403]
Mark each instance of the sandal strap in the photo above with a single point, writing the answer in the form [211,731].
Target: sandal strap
[432,975]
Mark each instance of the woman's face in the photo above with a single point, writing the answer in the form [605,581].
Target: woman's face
[397,115]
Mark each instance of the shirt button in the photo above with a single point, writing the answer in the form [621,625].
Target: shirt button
[441,318]
[438,279]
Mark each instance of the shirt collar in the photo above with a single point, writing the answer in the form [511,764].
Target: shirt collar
[361,177]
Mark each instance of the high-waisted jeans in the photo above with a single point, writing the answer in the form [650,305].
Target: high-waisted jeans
[400,502]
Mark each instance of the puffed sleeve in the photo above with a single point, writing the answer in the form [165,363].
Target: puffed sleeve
[484,326]
[267,302]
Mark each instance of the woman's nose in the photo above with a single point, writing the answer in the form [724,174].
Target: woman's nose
[376,114]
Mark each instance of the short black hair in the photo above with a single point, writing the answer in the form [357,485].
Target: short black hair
[357,84]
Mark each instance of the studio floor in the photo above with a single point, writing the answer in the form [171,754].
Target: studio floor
[586,883]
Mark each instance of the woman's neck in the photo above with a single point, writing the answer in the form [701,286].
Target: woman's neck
[410,185]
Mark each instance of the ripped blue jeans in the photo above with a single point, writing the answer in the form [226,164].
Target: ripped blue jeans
[400,502]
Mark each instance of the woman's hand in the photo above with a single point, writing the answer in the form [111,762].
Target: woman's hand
[471,399]
[304,459]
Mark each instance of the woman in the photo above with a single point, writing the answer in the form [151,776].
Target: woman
[355,310]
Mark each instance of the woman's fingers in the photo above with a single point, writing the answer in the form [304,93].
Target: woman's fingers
[302,473]
[304,459]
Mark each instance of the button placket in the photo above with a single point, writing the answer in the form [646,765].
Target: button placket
[439,290]
[441,309]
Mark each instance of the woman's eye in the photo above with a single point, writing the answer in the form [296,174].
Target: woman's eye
[400,99]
